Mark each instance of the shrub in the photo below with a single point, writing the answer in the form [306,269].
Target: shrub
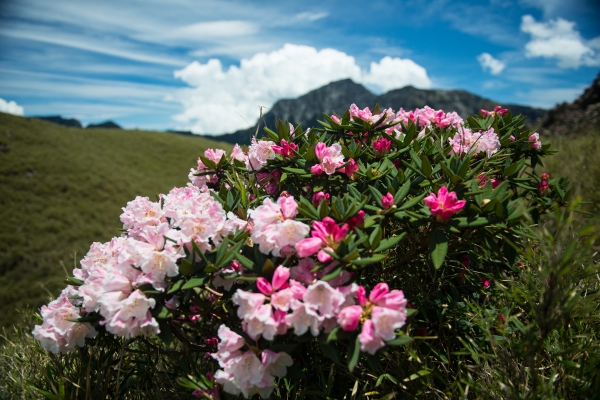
[384,252]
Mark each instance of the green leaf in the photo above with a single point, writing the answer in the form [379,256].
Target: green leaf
[333,274]
[438,247]
[402,192]
[369,260]
[208,162]
[176,286]
[194,282]
[246,262]
[164,313]
[291,170]
[353,354]
[401,340]
[425,166]
[389,242]
[45,393]
[186,267]
[73,281]
[412,202]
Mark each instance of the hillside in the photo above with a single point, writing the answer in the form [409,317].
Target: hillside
[336,97]
[581,116]
[62,188]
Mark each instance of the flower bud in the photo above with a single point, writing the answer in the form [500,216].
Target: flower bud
[387,201]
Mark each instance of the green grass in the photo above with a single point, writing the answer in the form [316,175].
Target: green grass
[578,159]
[62,188]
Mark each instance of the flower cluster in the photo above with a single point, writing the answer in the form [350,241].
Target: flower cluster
[467,141]
[248,372]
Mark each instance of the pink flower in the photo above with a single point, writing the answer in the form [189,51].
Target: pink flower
[350,168]
[483,180]
[275,230]
[485,282]
[357,221]
[534,139]
[543,188]
[321,297]
[318,197]
[545,177]
[381,147]
[259,153]
[498,110]
[512,138]
[370,342]
[444,205]
[286,149]
[330,235]
[387,201]
[316,169]
[349,317]
[57,333]
[466,141]
[330,158]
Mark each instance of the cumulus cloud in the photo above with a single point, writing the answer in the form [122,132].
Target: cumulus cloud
[11,107]
[488,62]
[226,99]
[560,40]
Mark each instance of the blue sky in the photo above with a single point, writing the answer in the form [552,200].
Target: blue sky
[208,65]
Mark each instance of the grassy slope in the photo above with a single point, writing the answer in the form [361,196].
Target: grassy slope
[62,188]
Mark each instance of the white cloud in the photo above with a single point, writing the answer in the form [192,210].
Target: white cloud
[560,40]
[11,107]
[311,16]
[224,100]
[488,62]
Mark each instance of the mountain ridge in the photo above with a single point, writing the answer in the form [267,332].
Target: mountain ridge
[336,97]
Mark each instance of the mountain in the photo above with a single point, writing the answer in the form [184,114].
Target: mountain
[57,119]
[579,117]
[336,97]
[104,125]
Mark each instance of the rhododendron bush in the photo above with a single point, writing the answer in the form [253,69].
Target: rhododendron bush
[347,245]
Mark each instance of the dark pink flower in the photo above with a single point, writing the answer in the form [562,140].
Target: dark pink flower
[545,177]
[318,197]
[444,205]
[381,147]
[286,149]
[357,221]
[387,201]
[543,188]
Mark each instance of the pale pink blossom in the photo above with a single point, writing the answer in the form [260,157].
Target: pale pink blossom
[370,342]
[386,321]
[467,141]
[259,153]
[321,297]
[140,213]
[261,323]
[58,333]
[304,318]
[444,205]
[330,158]
[534,139]
[247,302]
[129,316]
